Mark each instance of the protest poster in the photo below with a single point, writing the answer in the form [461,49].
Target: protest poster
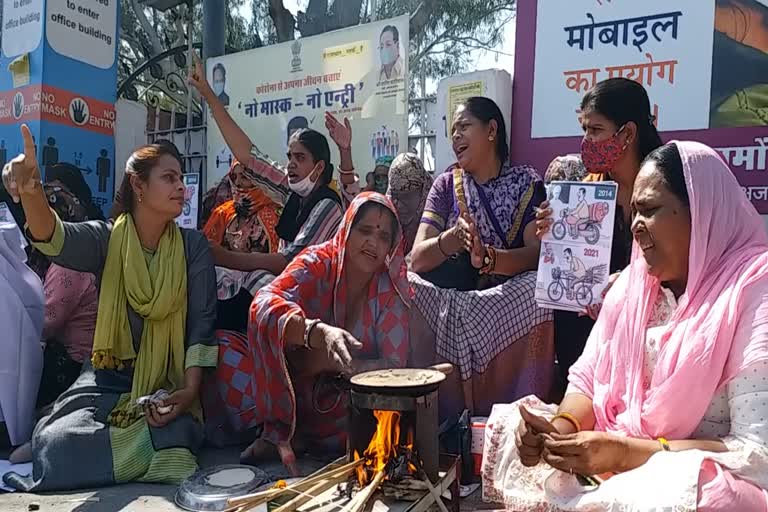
[704,64]
[576,252]
[189,213]
[359,72]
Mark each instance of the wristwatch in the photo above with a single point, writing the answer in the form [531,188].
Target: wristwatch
[308,331]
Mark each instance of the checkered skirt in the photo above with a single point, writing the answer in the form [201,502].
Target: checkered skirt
[473,327]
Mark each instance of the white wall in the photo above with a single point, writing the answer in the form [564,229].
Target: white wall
[130,132]
[497,85]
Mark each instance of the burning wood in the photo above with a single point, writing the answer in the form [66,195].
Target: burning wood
[385,454]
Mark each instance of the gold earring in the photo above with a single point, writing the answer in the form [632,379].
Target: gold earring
[141,197]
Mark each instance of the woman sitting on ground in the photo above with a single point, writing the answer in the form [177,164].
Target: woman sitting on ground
[154,331]
[339,308]
[689,313]
[476,251]
[240,231]
[71,303]
[409,185]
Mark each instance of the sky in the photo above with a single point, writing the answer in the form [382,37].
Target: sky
[501,58]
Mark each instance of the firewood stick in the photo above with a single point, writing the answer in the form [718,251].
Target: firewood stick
[366,493]
[265,496]
[312,493]
[435,494]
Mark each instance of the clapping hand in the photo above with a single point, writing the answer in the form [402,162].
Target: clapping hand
[22,174]
[469,235]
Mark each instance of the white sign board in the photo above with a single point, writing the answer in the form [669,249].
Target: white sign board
[360,72]
[492,83]
[659,43]
[22,26]
[84,30]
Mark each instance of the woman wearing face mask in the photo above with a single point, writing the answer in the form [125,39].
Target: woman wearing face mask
[476,253]
[241,231]
[339,308]
[154,330]
[619,132]
[312,210]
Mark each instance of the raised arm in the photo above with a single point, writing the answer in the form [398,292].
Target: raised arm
[21,178]
[341,134]
[237,140]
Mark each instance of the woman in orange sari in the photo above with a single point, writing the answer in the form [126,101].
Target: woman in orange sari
[241,231]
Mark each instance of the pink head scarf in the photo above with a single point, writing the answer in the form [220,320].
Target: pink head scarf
[698,352]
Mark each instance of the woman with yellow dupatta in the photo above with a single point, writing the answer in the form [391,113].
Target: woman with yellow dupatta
[154,331]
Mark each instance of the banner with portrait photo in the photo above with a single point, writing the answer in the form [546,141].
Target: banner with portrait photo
[704,64]
[359,72]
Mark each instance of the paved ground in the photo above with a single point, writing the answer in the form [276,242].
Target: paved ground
[144,497]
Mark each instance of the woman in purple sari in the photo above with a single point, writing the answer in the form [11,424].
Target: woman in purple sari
[475,257]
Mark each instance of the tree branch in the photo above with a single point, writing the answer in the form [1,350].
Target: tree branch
[283,20]
[157,44]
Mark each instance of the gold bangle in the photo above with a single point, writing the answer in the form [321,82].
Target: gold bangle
[664,444]
[570,418]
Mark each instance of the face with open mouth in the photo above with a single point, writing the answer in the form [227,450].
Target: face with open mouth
[661,225]
[300,162]
[471,139]
[371,238]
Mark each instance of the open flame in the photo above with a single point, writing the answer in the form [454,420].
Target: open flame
[385,448]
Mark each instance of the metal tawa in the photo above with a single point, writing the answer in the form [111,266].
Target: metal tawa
[399,381]
[210,488]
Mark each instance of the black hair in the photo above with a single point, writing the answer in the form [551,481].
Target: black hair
[582,189]
[486,110]
[670,166]
[568,250]
[220,67]
[622,100]
[317,145]
[72,178]
[393,30]
[140,164]
[373,205]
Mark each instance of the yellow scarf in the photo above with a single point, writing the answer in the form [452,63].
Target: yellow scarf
[157,292]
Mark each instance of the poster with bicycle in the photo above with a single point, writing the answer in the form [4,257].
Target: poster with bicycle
[576,252]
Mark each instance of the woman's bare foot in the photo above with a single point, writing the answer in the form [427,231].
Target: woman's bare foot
[21,454]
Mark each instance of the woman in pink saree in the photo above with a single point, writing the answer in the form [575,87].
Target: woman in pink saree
[669,402]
